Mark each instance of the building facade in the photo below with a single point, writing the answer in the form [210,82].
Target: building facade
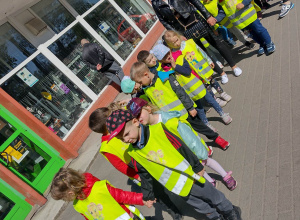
[46,90]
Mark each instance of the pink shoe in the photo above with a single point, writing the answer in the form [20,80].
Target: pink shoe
[229,181]
[214,183]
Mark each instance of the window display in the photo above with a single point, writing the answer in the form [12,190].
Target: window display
[48,94]
[82,6]
[5,205]
[114,29]
[6,130]
[14,48]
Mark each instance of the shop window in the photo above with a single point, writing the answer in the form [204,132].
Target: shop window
[5,206]
[6,130]
[14,48]
[113,28]
[54,14]
[25,158]
[68,49]
[82,6]
[48,94]
[140,12]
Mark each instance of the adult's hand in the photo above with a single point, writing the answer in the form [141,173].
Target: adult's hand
[99,67]
[240,6]
[211,21]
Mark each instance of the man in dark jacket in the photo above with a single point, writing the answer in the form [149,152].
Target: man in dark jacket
[98,59]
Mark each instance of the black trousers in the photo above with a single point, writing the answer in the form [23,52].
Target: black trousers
[201,128]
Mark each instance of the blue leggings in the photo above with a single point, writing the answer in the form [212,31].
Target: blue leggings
[224,32]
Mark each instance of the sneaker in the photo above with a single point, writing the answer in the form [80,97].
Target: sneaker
[222,143]
[234,214]
[229,181]
[224,79]
[221,102]
[214,183]
[226,118]
[214,90]
[220,64]
[211,127]
[210,151]
[237,71]
[285,9]
[260,51]
[249,45]
[225,96]
[271,48]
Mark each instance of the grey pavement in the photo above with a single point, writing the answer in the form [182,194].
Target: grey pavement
[265,133]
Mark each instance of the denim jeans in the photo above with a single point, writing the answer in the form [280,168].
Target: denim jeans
[259,33]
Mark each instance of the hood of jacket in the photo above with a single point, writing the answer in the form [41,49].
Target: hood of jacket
[165,116]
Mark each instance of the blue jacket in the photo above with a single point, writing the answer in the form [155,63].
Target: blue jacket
[187,135]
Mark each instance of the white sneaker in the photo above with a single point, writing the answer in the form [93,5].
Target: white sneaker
[224,79]
[226,118]
[225,96]
[237,71]
[221,102]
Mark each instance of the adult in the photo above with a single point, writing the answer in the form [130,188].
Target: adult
[182,16]
[98,59]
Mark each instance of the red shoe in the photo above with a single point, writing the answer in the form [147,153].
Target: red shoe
[222,143]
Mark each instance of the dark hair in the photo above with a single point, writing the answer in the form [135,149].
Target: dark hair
[98,117]
[142,55]
[65,181]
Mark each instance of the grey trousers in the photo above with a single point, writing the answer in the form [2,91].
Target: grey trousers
[115,73]
[205,199]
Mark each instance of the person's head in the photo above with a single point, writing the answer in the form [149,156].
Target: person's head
[142,110]
[172,39]
[98,117]
[129,86]
[147,58]
[84,41]
[141,74]
[162,53]
[124,126]
[67,185]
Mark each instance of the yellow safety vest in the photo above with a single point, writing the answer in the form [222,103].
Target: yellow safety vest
[239,18]
[101,205]
[192,85]
[257,8]
[165,163]
[196,60]
[162,95]
[204,42]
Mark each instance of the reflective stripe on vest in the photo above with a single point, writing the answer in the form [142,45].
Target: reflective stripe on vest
[172,105]
[136,212]
[204,42]
[165,163]
[125,216]
[226,23]
[243,19]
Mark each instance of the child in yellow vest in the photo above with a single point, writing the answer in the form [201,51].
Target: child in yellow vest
[94,198]
[161,156]
[147,114]
[161,94]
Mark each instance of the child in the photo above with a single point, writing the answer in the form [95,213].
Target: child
[242,15]
[143,111]
[161,94]
[116,152]
[94,198]
[130,87]
[159,155]
[192,84]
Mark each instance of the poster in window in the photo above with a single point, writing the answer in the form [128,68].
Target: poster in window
[104,27]
[27,77]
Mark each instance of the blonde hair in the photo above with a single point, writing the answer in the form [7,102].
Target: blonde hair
[65,181]
[153,107]
[137,70]
[168,34]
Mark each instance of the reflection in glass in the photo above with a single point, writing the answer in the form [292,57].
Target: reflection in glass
[14,48]
[140,12]
[82,6]
[68,49]
[112,27]
[5,205]
[25,157]
[53,13]
[48,94]
[6,130]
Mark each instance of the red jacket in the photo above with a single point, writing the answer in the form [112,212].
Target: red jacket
[122,197]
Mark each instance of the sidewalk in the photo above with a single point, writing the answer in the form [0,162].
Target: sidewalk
[265,133]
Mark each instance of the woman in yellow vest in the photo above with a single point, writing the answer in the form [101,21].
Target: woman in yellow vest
[94,198]
[147,114]
[242,15]
[161,156]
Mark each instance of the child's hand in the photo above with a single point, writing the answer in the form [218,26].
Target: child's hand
[211,21]
[240,6]
[212,65]
[193,112]
[173,64]
[183,38]
[149,203]
[201,173]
